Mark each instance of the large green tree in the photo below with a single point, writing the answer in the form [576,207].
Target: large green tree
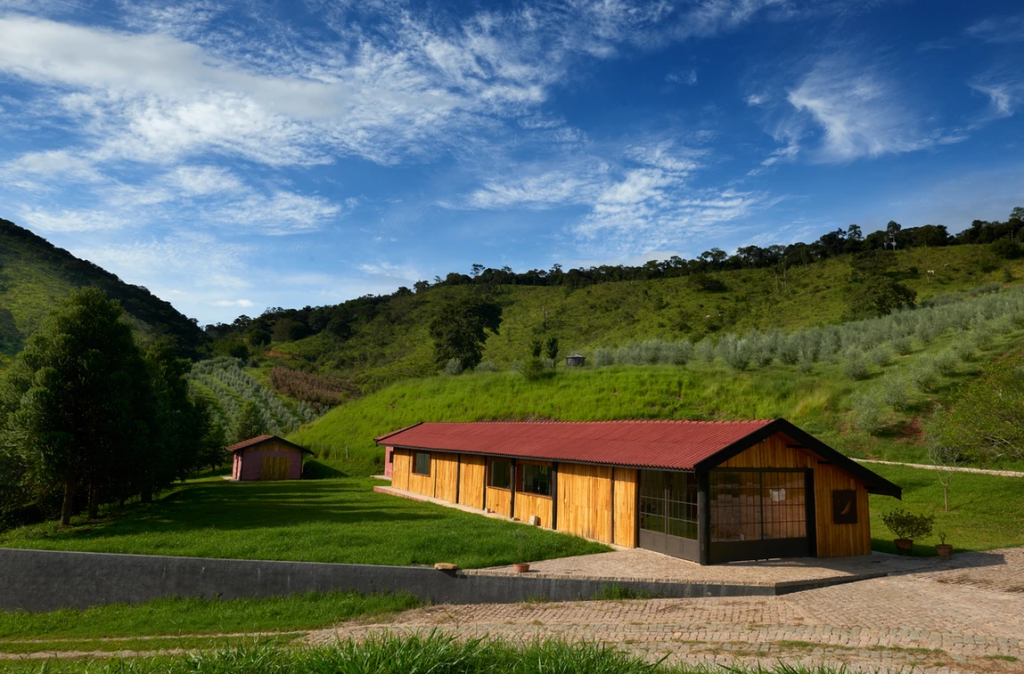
[77,401]
[460,329]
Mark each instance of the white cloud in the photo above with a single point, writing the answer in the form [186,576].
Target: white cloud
[999,29]
[860,113]
[688,77]
[754,100]
[72,220]
[33,170]
[244,304]
[1004,97]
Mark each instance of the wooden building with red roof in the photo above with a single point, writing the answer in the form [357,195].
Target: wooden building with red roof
[707,491]
[266,457]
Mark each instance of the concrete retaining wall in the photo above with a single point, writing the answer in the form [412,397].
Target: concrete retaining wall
[43,580]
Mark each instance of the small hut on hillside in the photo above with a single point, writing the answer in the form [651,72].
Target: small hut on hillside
[266,457]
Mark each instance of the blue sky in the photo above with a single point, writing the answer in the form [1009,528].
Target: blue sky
[232,156]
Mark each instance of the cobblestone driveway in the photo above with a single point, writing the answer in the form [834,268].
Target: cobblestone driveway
[944,621]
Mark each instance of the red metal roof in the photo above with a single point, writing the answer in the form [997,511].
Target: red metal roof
[260,439]
[677,445]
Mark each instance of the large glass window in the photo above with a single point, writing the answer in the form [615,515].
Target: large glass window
[537,479]
[501,474]
[668,503]
[421,463]
[751,506]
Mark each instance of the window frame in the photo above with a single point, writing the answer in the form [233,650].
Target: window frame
[415,456]
[522,483]
[490,474]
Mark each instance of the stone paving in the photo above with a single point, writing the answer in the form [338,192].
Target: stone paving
[942,619]
[637,564]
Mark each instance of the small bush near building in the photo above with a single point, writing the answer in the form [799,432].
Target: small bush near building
[906,525]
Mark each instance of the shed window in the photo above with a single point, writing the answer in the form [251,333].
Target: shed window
[421,463]
[501,474]
[537,480]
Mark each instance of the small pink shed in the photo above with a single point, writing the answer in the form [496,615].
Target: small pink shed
[266,457]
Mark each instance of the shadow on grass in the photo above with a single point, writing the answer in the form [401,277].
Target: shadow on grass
[240,506]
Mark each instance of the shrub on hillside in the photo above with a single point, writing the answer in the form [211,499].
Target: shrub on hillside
[705,350]
[946,362]
[855,366]
[869,413]
[1005,249]
[487,366]
[903,345]
[924,376]
[604,357]
[706,283]
[880,356]
[533,370]
[894,392]
[453,368]
[316,390]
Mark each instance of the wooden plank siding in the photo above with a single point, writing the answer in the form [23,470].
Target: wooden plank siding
[834,540]
[445,471]
[626,484]
[401,468]
[499,501]
[421,484]
[527,504]
[471,481]
[585,500]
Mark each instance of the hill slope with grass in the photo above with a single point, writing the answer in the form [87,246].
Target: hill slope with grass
[35,275]
[865,387]
[387,339]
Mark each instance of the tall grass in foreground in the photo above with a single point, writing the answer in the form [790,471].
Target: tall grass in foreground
[436,654]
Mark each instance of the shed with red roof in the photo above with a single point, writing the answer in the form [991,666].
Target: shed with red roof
[707,491]
[266,457]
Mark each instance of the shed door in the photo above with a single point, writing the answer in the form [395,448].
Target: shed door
[759,514]
[275,468]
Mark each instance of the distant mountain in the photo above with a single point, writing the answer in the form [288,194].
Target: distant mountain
[35,275]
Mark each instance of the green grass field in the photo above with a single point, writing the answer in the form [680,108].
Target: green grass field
[335,520]
[342,520]
[178,623]
[985,511]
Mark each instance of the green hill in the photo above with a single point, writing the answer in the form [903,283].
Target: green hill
[35,275]
[864,386]
[388,341]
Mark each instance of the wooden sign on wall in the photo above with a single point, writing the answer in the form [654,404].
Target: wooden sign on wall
[844,506]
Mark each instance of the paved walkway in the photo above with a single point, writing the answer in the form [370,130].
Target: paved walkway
[635,564]
[956,469]
[966,618]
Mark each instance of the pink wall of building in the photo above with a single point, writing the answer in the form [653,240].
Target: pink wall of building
[389,453]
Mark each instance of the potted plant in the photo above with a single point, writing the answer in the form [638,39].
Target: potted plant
[942,550]
[907,526]
[520,536]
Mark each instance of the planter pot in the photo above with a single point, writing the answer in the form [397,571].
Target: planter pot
[944,551]
[521,567]
[904,546]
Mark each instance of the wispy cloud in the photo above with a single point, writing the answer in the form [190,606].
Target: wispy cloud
[1005,93]
[860,112]
[999,29]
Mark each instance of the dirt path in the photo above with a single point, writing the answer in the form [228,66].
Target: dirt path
[960,620]
[956,469]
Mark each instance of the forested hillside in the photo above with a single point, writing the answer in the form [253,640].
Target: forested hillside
[35,276]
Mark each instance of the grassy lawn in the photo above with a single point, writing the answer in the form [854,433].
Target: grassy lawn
[985,511]
[195,617]
[336,520]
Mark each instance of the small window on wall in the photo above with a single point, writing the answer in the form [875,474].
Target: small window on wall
[501,475]
[537,480]
[421,463]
